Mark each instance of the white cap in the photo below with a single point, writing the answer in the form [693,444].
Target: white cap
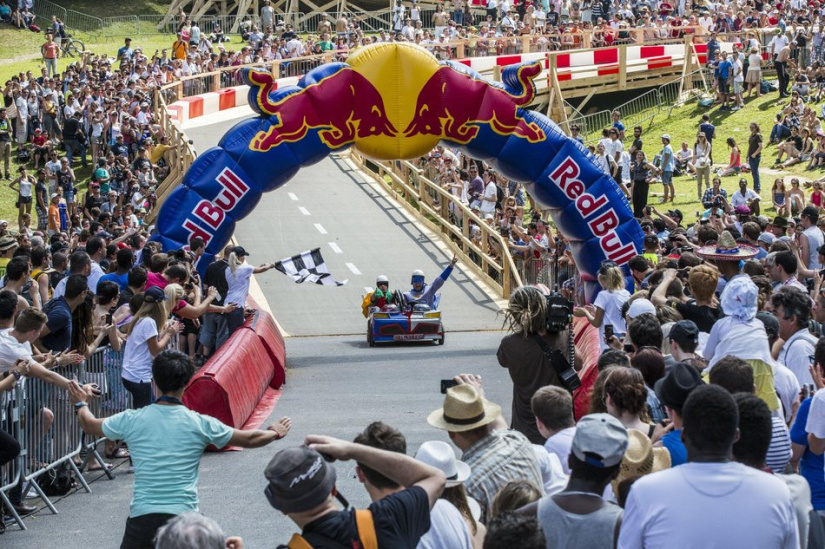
[640,307]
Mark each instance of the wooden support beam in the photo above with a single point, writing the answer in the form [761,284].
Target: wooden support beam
[623,67]
[586,99]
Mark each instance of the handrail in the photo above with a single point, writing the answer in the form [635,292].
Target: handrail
[432,205]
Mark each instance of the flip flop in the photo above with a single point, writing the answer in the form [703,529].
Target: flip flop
[120,453]
[95,466]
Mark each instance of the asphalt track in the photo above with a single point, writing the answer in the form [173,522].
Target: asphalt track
[336,385]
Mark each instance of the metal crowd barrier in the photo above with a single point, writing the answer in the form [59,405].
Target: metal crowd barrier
[41,418]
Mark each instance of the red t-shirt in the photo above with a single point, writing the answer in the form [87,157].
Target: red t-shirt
[155,279]
[50,50]
[39,140]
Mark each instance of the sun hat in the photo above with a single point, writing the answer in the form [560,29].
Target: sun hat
[440,455]
[739,299]
[674,388]
[640,458]
[600,440]
[726,249]
[464,409]
[7,243]
[299,480]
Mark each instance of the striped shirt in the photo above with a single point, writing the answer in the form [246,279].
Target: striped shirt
[497,459]
[779,452]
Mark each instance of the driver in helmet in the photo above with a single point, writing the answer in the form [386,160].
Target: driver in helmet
[424,293]
[382,296]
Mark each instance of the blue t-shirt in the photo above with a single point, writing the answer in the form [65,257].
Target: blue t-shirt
[673,442]
[724,69]
[59,324]
[811,466]
[120,280]
[670,165]
[708,129]
[166,443]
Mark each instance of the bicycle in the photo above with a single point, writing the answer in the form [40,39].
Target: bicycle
[71,46]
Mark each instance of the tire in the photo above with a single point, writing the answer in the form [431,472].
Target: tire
[441,341]
[370,340]
[75,47]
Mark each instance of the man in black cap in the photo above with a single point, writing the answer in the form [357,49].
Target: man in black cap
[779,227]
[672,219]
[684,339]
[302,486]
[673,391]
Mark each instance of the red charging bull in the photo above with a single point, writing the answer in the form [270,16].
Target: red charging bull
[453,104]
[342,107]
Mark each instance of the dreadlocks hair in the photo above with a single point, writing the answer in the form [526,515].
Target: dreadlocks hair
[526,312]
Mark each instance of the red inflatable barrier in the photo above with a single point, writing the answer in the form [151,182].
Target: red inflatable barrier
[586,340]
[238,385]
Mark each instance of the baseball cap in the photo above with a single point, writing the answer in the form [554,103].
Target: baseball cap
[676,212]
[674,388]
[299,480]
[666,136]
[240,252]
[742,209]
[641,307]
[154,295]
[600,440]
[767,238]
[685,333]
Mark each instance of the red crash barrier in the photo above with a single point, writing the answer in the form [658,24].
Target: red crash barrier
[240,378]
[586,340]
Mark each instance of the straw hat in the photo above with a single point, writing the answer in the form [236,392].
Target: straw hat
[641,458]
[726,249]
[464,409]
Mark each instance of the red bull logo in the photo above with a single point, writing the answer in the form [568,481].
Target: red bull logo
[343,107]
[453,105]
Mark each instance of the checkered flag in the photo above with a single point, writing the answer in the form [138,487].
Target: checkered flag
[308,267]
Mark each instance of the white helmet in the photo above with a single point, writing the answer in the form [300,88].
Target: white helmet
[417,273]
[382,278]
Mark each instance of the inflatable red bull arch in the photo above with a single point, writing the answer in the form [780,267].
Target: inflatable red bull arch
[397,101]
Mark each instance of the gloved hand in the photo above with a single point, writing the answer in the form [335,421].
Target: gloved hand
[378,293]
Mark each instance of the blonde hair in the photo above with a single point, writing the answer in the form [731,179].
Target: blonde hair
[155,310]
[526,311]
[611,278]
[174,293]
[703,280]
[234,263]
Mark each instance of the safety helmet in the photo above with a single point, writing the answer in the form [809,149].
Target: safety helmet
[382,279]
[417,277]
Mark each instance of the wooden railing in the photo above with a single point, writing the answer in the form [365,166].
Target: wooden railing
[487,253]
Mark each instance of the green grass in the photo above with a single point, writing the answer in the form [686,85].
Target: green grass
[683,125]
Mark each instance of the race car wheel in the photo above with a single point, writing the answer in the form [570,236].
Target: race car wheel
[441,341]
[370,340]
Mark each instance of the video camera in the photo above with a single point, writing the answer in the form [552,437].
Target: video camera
[559,317]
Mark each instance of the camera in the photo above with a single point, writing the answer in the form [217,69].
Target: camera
[560,317]
[559,313]
[717,202]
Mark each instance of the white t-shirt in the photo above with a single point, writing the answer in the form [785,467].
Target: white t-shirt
[745,340]
[238,284]
[787,388]
[137,359]
[797,354]
[816,416]
[11,350]
[709,505]
[611,303]
[490,193]
[552,473]
[560,444]
[738,71]
[447,528]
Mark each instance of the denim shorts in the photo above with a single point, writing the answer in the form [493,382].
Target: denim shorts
[667,178]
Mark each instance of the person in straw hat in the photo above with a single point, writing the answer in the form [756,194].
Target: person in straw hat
[579,513]
[495,454]
[727,256]
[640,459]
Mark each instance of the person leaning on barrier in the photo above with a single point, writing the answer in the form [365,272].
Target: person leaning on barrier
[9,447]
[529,368]
[164,437]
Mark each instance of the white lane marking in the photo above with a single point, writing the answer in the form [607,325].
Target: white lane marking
[335,248]
[353,268]
[303,210]
[320,228]
[292,196]
[367,289]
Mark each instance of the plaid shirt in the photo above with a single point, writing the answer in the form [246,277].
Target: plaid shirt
[497,459]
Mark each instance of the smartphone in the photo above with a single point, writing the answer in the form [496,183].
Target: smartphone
[608,331]
[446,384]
[512,219]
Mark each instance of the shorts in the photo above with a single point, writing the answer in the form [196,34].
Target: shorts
[140,531]
[189,326]
[214,330]
[69,196]
[667,178]
[737,87]
[24,200]
[724,86]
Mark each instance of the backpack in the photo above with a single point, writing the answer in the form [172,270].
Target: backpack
[365,526]
[57,481]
